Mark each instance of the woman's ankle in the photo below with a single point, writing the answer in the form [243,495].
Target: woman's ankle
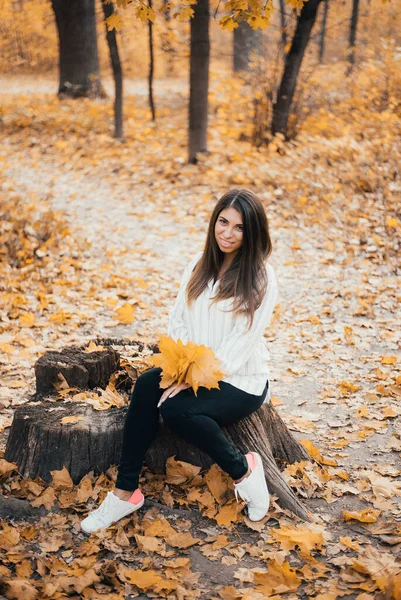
[244,477]
[123,494]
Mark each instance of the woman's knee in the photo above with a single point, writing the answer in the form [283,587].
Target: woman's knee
[172,409]
[147,381]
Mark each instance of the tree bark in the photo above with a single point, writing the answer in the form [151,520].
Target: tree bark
[151,67]
[293,61]
[283,23]
[323,31]
[111,36]
[78,54]
[246,40]
[352,33]
[199,80]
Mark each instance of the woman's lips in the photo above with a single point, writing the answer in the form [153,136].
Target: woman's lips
[225,244]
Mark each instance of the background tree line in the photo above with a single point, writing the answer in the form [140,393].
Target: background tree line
[284,43]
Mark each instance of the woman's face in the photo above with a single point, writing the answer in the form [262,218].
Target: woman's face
[228,230]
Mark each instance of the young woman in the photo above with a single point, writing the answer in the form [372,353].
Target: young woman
[226,299]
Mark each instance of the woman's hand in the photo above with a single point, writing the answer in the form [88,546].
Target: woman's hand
[173,390]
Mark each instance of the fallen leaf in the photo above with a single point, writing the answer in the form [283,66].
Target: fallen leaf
[9,537]
[277,580]
[47,499]
[181,540]
[72,419]
[305,538]
[178,471]
[21,589]
[61,480]
[369,515]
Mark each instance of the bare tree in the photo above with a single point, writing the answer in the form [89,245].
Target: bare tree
[323,31]
[108,10]
[293,61]
[246,40]
[283,23]
[78,55]
[199,80]
[151,66]
[352,33]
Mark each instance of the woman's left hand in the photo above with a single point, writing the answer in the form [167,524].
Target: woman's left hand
[173,390]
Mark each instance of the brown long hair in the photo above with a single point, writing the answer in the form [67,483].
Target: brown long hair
[246,279]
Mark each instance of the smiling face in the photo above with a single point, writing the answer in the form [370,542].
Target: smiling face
[228,231]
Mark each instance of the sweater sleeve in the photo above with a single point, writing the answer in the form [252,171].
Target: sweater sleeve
[177,328]
[238,346]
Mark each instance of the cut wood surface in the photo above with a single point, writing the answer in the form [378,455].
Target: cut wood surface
[48,435]
[80,369]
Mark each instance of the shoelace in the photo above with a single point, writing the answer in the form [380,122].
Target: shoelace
[99,512]
[242,495]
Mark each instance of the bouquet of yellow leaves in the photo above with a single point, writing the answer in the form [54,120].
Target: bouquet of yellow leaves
[189,363]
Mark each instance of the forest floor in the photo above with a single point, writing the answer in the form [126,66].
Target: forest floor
[94,236]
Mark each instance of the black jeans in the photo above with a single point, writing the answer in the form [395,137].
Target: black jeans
[196,419]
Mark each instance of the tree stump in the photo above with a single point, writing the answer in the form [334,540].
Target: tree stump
[83,370]
[39,442]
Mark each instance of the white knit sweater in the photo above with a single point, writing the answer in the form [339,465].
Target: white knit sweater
[242,351]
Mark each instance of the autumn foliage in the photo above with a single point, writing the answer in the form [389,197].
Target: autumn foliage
[188,363]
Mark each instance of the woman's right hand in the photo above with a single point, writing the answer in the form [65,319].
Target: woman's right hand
[172,391]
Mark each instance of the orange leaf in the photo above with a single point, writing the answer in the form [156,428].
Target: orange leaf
[196,365]
[364,516]
[178,471]
[61,480]
[306,538]
[278,579]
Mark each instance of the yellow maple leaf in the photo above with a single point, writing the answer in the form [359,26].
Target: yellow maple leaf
[228,23]
[125,314]
[306,539]
[145,14]
[114,21]
[279,579]
[364,516]
[147,580]
[196,365]
[203,368]
[169,360]
[259,21]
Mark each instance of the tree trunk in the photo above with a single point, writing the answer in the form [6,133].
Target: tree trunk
[78,55]
[111,36]
[323,31]
[283,23]
[352,33]
[246,40]
[199,80]
[39,442]
[293,61]
[151,66]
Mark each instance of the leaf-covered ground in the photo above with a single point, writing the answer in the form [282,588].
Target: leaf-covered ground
[94,236]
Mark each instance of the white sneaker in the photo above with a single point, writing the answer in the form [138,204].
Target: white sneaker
[253,489]
[111,510]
